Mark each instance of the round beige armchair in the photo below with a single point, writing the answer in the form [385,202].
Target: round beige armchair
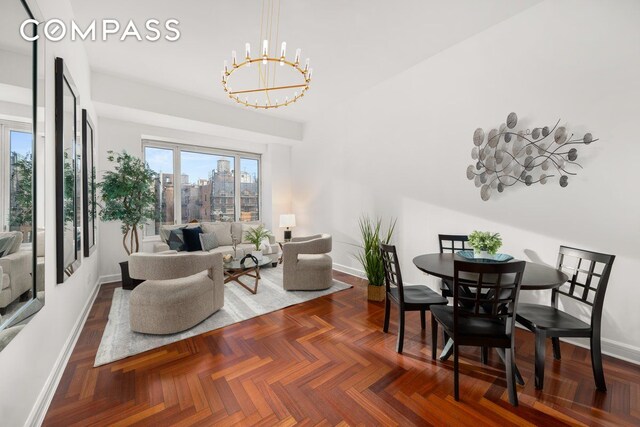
[179,291]
[306,263]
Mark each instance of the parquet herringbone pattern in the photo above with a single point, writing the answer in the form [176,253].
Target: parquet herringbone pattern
[327,362]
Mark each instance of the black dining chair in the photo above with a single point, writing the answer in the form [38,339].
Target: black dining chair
[588,278]
[485,296]
[451,243]
[408,298]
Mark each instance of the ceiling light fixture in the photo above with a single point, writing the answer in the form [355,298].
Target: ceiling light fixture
[290,88]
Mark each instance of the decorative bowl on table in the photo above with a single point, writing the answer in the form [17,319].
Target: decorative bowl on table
[484,257]
[227,258]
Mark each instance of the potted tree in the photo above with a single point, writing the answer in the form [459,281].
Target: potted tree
[128,196]
[485,244]
[255,236]
[370,257]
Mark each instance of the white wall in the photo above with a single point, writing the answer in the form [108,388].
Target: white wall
[120,135]
[401,149]
[123,99]
[27,364]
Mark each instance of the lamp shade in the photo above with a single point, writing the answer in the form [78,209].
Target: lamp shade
[287,220]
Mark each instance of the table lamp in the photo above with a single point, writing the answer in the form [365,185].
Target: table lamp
[287,220]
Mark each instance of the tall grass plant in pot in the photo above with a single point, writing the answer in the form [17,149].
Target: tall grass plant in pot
[369,255]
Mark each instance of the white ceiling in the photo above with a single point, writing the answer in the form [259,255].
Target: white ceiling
[352,44]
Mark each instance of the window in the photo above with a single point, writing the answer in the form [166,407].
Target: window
[16,158]
[208,190]
[161,161]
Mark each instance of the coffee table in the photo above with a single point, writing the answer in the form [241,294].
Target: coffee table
[234,270]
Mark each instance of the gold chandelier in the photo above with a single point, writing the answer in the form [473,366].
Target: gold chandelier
[297,82]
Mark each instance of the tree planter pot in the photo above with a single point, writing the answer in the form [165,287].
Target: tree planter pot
[376,293]
[128,282]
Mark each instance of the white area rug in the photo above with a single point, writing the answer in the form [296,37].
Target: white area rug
[118,341]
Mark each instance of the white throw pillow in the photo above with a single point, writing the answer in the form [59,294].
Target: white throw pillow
[265,246]
[17,242]
[222,230]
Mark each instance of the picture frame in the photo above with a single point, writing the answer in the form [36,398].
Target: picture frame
[89,213]
[68,174]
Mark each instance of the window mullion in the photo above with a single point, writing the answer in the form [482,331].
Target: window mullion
[4,183]
[236,179]
[177,186]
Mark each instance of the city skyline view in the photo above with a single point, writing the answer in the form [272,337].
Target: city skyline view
[206,187]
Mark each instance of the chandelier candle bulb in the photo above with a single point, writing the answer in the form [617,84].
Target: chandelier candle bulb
[233,58]
[247,51]
[226,67]
[297,60]
[265,51]
[309,74]
[283,50]
[306,65]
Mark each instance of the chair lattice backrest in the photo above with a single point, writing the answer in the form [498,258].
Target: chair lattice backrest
[487,291]
[588,277]
[451,243]
[392,273]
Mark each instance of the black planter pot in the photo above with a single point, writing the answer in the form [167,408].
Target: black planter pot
[128,282]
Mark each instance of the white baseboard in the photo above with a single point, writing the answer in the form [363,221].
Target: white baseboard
[616,349]
[36,417]
[612,348]
[110,278]
[349,270]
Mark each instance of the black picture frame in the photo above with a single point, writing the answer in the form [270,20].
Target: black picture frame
[68,168]
[88,185]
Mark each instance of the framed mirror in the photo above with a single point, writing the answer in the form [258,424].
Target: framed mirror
[88,185]
[68,175]
[21,158]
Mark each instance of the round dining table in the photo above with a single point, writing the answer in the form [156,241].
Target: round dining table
[535,277]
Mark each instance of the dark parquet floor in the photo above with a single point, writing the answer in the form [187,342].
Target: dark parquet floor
[327,362]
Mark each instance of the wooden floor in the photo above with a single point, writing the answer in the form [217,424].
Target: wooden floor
[327,362]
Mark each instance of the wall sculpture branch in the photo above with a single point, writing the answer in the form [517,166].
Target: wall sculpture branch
[506,156]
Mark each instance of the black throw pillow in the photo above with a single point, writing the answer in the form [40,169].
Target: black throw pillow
[192,239]
[176,239]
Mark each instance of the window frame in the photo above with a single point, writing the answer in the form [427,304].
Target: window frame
[178,148]
[6,127]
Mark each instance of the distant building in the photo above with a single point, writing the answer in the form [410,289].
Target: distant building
[211,199]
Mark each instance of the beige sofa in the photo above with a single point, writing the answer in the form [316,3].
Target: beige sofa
[16,272]
[180,290]
[225,233]
[306,263]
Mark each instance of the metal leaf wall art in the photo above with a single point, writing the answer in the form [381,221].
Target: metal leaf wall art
[507,156]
